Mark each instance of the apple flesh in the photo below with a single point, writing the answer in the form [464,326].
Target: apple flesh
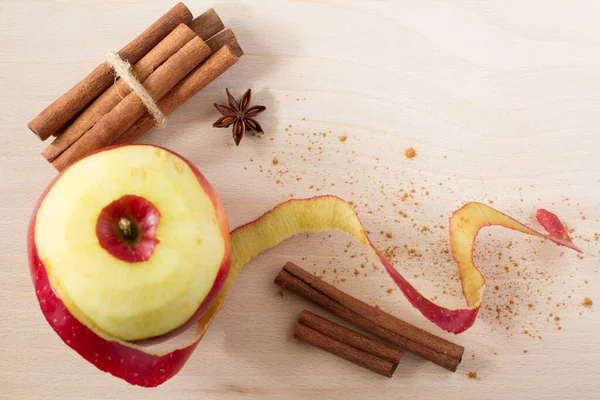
[128,244]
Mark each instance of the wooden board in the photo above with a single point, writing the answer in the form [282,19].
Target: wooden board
[500,102]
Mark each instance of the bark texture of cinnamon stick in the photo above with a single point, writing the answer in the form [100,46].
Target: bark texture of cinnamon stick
[54,118]
[207,24]
[342,349]
[350,337]
[130,109]
[380,323]
[114,94]
[188,87]
[225,38]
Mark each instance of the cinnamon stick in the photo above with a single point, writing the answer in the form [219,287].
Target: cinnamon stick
[207,24]
[130,109]
[225,38]
[380,323]
[188,87]
[344,350]
[52,119]
[350,337]
[114,94]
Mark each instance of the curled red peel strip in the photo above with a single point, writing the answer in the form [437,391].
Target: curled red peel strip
[330,212]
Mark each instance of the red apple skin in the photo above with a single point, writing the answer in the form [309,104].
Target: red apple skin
[130,364]
[142,214]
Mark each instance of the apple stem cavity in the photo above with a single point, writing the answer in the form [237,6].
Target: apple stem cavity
[126,228]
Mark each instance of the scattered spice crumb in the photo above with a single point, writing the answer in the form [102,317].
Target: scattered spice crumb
[343,138]
[275,161]
[587,302]
[390,290]
[410,153]
[525,351]
[472,375]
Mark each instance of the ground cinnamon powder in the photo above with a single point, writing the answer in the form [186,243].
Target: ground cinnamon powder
[410,153]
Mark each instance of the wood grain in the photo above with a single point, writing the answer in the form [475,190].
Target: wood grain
[500,102]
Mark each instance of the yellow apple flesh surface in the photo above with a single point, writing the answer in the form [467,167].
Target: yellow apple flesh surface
[133,242]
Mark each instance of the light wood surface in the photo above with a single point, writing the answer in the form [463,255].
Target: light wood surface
[500,101]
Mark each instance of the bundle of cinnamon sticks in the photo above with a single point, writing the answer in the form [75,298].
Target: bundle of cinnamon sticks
[173,59]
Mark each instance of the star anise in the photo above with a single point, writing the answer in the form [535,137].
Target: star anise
[241,115]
